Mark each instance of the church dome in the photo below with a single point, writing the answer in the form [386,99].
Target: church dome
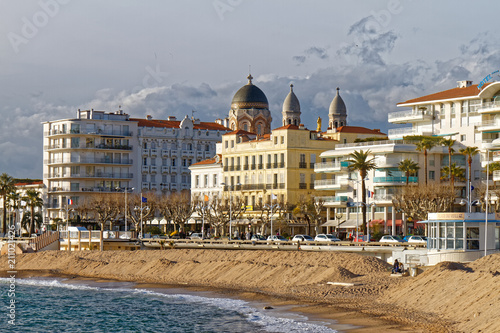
[291,103]
[337,106]
[249,96]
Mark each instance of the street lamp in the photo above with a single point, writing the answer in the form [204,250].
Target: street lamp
[126,202]
[67,209]
[141,209]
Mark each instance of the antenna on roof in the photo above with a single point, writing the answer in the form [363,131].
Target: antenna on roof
[192,113]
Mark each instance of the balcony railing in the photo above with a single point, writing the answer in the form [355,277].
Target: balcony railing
[335,199]
[330,166]
[330,184]
[302,165]
[88,161]
[88,132]
[394,179]
[94,175]
[489,107]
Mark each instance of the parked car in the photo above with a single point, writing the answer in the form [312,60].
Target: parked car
[326,238]
[302,238]
[257,237]
[196,235]
[391,239]
[417,239]
[276,238]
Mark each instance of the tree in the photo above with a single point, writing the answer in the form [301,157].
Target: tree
[409,167]
[105,208]
[6,187]
[449,144]
[452,173]
[33,200]
[165,209]
[424,145]
[417,201]
[181,208]
[31,221]
[13,200]
[359,162]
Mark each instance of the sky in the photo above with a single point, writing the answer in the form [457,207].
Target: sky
[165,57]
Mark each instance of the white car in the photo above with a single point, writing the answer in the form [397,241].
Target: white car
[326,238]
[302,238]
[417,239]
[390,239]
[276,238]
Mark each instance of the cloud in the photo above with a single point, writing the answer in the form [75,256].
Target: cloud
[314,51]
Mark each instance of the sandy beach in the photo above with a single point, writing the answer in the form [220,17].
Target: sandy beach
[449,297]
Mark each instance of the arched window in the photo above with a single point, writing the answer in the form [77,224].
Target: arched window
[289,121]
[245,127]
[259,129]
[341,123]
[295,122]
[233,127]
[336,124]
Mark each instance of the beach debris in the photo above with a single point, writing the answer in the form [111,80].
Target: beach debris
[268,307]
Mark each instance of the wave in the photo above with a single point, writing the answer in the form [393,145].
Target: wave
[269,320]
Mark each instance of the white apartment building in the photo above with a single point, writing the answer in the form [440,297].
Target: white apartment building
[107,152]
[466,114]
[206,178]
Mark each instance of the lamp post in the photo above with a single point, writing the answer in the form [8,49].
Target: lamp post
[486,199]
[338,216]
[126,203]
[67,209]
[141,209]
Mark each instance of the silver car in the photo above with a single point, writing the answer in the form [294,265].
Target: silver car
[326,238]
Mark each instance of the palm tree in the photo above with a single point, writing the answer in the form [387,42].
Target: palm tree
[469,152]
[359,162]
[408,166]
[424,145]
[32,198]
[449,143]
[6,187]
[13,200]
[452,173]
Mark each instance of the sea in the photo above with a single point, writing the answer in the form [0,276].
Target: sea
[65,305]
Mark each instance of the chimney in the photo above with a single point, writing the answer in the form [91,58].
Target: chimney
[171,118]
[149,117]
[464,84]
[301,126]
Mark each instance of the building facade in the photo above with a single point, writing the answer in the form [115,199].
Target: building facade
[111,152]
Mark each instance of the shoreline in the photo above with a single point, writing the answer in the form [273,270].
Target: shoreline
[292,278]
[341,320]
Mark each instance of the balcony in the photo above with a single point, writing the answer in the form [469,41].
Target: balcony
[399,133]
[164,187]
[492,125]
[387,181]
[88,132]
[165,153]
[245,167]
[88,161]
[334,200]
[260,166]
[302,165]
[145,168]
[173,153]
[326,167]
[302,186]
[383,198]
[331,184]
[282,164]
[154,152]
[154,169]
[268,165]
[409,116]
[253,166]
[99,175]
[145,186]
[387,162]
[145,152]
[153,186]
[489,107]
[165,169]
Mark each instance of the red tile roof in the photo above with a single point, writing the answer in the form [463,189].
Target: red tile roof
[212,160]
[470,91]
[359,130]
[175,124]
[40,182]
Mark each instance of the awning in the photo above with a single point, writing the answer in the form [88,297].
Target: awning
[389,222]
[351,224]
[331,223]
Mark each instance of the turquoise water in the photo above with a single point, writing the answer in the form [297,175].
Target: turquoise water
[58,305]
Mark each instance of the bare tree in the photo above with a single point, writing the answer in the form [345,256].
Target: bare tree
[105,208]
[165,209]
[181,208]
[417,201]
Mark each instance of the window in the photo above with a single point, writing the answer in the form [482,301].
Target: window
[207,147]
[173,162]
[153,161]
[145,161]
[463,137]
[431,175]
[164,161]
[226,144]
[282,140]
[245,127]
[275,140]
[206,181]
[259,129]
[232,143]
[75,142]
[184,162]
[173,178]
[215,180]
[197,181]
[164,179]
[153,178]
[144,178]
